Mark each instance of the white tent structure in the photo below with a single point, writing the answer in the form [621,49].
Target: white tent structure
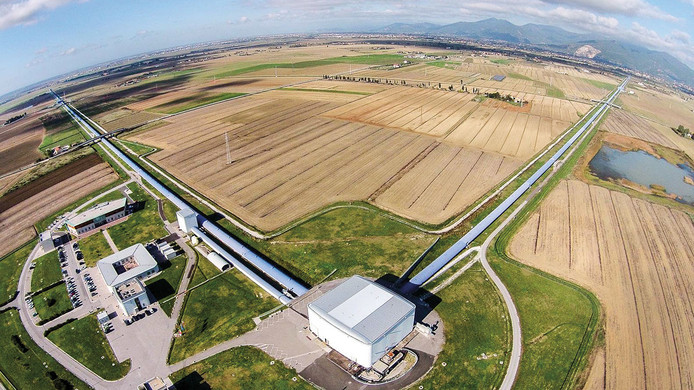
[361,319]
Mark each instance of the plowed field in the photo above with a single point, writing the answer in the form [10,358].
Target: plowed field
[44,197]
[289,158]
[636,256]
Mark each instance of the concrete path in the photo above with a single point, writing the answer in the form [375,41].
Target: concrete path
[516,344]
[112,244]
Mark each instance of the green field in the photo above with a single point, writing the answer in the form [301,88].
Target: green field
[94,248]
[138,148]
[84,341]
[501,61]
[366,59]
[519,76]
[25,364]
[11,268]
[351,240]
[218,310]
[60,131]
[600,84]
[52,303]
[474,320]
[47,271]
[141,226]
[165,285]
[193,101]
[238,368]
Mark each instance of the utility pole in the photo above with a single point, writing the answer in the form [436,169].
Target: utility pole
[226,139]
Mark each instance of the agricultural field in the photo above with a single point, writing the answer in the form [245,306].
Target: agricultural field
[663,109]
[630,125]
[20,209]
[388,147]
[19,141]
[635,256]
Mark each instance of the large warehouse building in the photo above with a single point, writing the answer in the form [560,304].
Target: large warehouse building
[96,216]
[361,319]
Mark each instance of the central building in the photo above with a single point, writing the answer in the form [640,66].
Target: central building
[361,319]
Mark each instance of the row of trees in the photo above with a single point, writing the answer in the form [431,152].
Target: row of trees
[15,119]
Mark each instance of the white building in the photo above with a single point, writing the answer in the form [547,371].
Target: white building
[46,241]
[123,273]
[96,216]
[361,319]
[187,219]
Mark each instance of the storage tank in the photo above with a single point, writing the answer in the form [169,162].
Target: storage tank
[218,261]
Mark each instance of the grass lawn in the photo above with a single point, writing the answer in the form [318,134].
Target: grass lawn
[84,341]
[474,320]
[170,211]
[52,303]
[558,322]
[218,310]
[25,364]
[165,285]
[141,226]
[95,248]
[136,147]
[351,240]
[238,368]
[11,268]
[47,271]
[188,102]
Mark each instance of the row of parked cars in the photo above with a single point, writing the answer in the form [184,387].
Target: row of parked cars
[72,292]
[140,315]
[30,302]
[90,284]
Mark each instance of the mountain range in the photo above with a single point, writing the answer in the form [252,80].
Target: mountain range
[610,51]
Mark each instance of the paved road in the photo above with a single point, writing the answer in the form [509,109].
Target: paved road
[516,346]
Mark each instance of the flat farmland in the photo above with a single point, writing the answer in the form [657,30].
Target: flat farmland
[36,201]
[455,118]
[625,123]
[636,256]
[19,142]
[289,159]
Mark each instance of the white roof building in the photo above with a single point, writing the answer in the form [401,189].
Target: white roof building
[123,272]
[361,319]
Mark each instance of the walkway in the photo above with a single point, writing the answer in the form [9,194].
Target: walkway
[112,244]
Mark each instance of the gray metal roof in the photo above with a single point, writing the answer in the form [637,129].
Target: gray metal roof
[99,209]
[145,262]
[362,308]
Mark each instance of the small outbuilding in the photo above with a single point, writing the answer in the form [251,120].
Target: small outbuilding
[361,320]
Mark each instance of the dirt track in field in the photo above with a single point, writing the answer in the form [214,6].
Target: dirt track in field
[637,257]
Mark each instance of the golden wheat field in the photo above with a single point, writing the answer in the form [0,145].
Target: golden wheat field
[636,256]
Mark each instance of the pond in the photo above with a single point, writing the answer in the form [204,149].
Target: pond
[645,169]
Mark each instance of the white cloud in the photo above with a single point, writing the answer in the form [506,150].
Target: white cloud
[25,12]
[679,36]
[68,52]
[243,19]
[621,7]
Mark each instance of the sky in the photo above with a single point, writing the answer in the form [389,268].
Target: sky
[40,39]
